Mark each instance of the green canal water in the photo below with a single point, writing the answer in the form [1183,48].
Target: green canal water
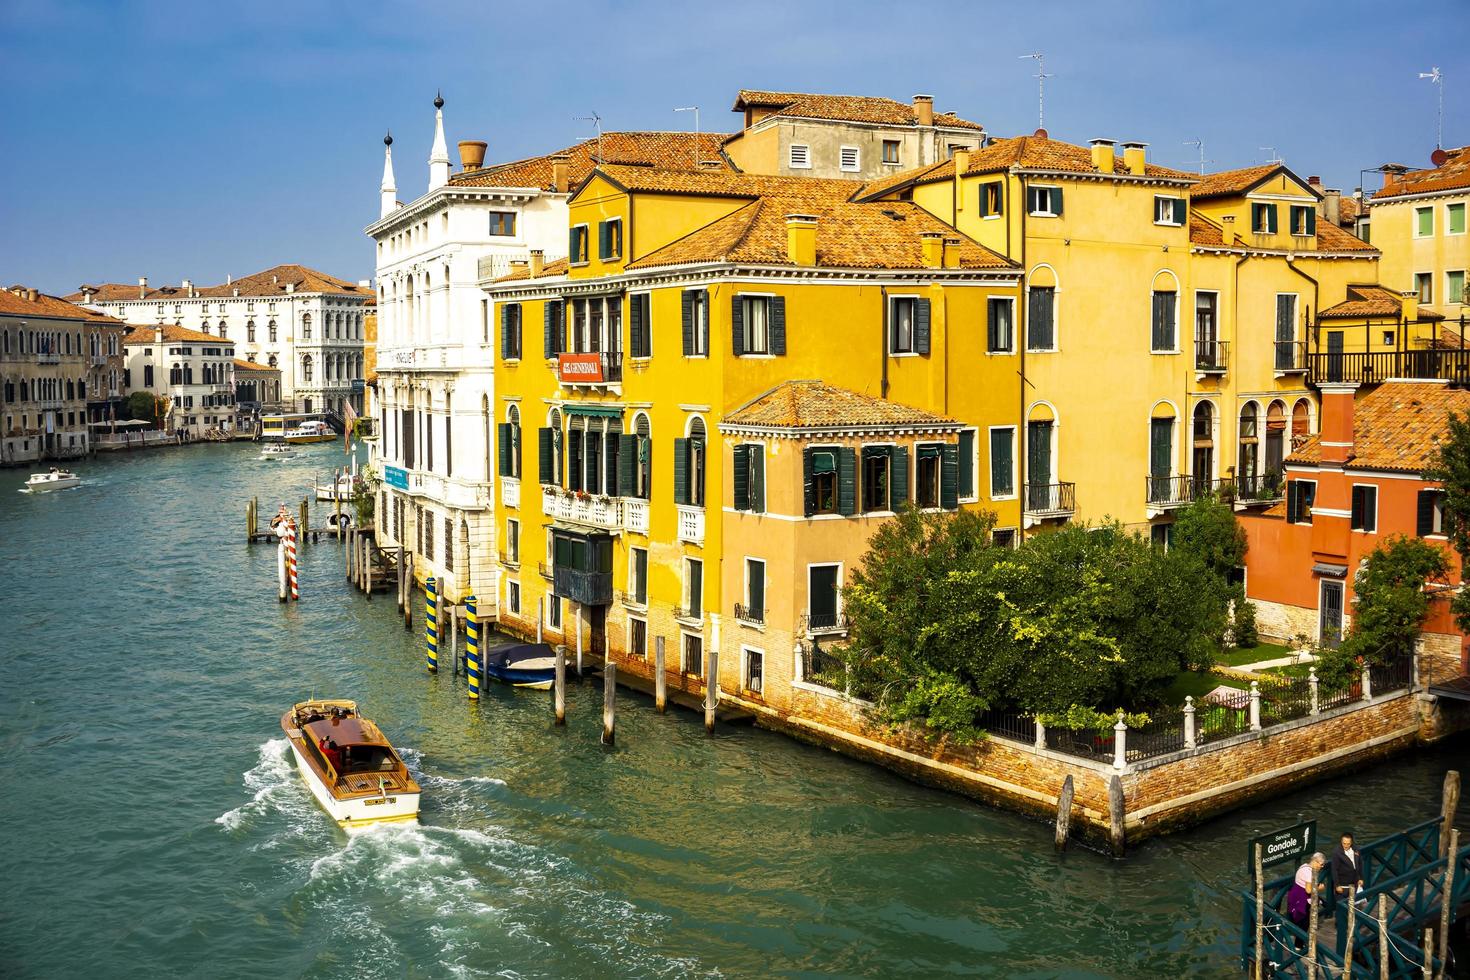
[154,825]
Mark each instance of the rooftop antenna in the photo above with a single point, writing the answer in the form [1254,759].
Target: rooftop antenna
[1437,79]
[694,109]
[1200,144]
[1274,157]
[1041,77]
[596,120]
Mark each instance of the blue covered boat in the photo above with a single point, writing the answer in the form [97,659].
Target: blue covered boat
[523,664]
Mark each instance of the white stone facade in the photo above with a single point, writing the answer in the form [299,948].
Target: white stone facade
[193,371]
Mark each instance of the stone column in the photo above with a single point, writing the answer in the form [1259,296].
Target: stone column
[1120,743]
[1191,738]
[1367,684]
[1255,706]
[1312,683]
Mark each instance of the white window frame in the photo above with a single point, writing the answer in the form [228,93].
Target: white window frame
[1343,625]
[632,567]
[1465,221]
[898,160]
[893,299]
[1429,278]
[1308,522]
[1023,336]
[1359,530]
[805,162]
[745,589]
[684,634]
[745,652]
[745,323]
[699,317]
[618,255]
[1015,535]
[857,159]
[1417,212]
[974,466]
[513,522]
[684,590]
[807,585]
[1178,297]
[1177,208]
[1005,299]
[1041,187]
[554,618]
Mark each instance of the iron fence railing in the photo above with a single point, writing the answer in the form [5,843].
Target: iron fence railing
[823,622]
[1211,356]
[1393,676]
[1214,720]
[1177,491]
[750,614]
[822,668]
[1259,488]
[1164,733]
[1051,498]
[1085,743]
[1014,725]
[1291,355]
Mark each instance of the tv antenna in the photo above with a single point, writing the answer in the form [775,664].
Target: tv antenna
[596,120]
[1274,156]
[1436,77]
[694,109]
[1041,77]
[1200,145]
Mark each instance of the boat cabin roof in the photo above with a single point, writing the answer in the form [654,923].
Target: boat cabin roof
[346,731]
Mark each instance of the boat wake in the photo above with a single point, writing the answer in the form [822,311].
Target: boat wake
[278,790]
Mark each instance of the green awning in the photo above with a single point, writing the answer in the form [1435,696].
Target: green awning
[595,411]
[824,462]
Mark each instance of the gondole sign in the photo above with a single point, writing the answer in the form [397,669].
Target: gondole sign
[1290,844]
[395,477]
[579,368]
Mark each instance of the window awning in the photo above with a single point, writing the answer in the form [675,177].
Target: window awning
[594,411]
[824,461]
[1328,570]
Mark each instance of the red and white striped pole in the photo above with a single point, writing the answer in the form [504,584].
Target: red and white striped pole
[291,559]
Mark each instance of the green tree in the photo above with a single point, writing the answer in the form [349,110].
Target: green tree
[1452,471]
[1207,529]
[142,405]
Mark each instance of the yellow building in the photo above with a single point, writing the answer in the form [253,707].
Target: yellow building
[1418,220]
[1164,336]
[666,478]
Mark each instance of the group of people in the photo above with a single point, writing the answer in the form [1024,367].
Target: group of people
[1347,880]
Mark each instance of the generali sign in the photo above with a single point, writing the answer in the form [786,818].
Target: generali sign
[579,368]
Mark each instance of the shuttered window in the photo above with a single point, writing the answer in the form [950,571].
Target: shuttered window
[750,477]
[689,472]
[877,492]
[1263,219]
[801,156]
[510,331]
[829,476]
[610,239]
[991,200]
[848,159]
[908,325]
[1424,221]
[1041,328]
[966,472]
[1045,202]
[553,336]
[577,244]
[1365,508]
[755,590]
[1003,462]
[1165,308]
[1000,335]
[640,327]
[695,316]
[758,325]
[1168,210]
[1431,513]
[1300,495]
[1303,219]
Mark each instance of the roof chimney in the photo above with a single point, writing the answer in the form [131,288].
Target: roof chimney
[538,262]
[364,284]
[1103,157]
[1133,158]
[801,239]
[290,287]
[142,286]
[31,294]
[1392,172]
[158,333]
[924,110]
[951,253]
[471,154]
[1227,230]
[519,265]
[1332,205]
[188,287]
[559,176]
[1337,421]
[931,246]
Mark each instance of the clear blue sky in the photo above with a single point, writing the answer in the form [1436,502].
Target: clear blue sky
[195,139]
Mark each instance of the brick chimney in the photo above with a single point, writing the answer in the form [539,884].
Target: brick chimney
[1102,154]
[1332,205]
[1337,422]
[801,239]
[924,110]
[1392,172]
[1133,157]
[560,176]
[1227,230]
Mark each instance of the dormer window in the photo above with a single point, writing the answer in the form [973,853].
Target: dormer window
[1168,211]
[801,156]
[1263,219]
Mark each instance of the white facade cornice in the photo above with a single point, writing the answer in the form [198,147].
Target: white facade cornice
[1115,177]
[810,433]
[447,195]
[711,272]
[1374,202]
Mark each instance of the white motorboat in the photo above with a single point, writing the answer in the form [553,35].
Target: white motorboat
[276,451]
[55,479]
[312,430]
[349,766]
[342,491]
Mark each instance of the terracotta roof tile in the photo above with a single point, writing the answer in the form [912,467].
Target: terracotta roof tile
[271,282]
[1396,426]
[556,268]
[1330,238]
[1039,152]
[144,334]
[818,405]
[844,108]
[654,149]
[241,365]
[1226,183]
[1453,174]
[1365,301]
[48,307]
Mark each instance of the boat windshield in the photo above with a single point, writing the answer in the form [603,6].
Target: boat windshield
[368,758]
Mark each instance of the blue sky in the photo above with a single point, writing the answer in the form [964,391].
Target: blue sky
[194,140]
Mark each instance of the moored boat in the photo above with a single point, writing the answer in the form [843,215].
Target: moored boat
[522,665]
[312,430]
[342,491]
[54,479]
[349,765]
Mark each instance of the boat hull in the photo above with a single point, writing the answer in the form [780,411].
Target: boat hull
[526,665]
[46,486]
[357,812]
[300,440]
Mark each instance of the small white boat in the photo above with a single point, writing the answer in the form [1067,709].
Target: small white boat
[55,479]
[342,491]
[349,766]
[312,430]
[276,451]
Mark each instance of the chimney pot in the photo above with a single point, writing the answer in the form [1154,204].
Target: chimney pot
[801,239]
[1332,205]
[1103,156]
[1134,157]
[560,178]
[538,262]
[31,295]
[1227,229]
[1314,181]
[951,253]
[142,286]
[471,154]
[931,247]
[924,110]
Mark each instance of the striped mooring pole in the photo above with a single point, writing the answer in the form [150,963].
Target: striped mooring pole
[431,623]
[291,561]
[472,647]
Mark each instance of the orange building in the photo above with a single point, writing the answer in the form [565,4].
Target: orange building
[1352,486]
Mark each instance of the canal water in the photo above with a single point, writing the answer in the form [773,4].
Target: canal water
[154,825]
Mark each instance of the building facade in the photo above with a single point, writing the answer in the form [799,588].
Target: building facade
[257,388]
[58,364]
[1419,222]
[306,323]
[190,373]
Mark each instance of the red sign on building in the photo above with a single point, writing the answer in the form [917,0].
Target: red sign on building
[579,368]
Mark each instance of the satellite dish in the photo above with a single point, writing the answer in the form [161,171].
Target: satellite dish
[1438,157]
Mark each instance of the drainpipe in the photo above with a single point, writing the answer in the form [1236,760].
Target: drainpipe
[1021,322]
[883,345]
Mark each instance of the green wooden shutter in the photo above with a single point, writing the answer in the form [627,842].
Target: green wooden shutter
[1311,221]
[627,466]
[846,481]
[758,478]
[808,491]
[984,199]
[645,457]
[705,309]
[967,464]
[645,307]
[1294,502]
[505,330]
[612,461]
[681,471]
[1272,213]
[756,571]
[742,478]
[635,325]
[949,467]
[502,438]
[1056,197]
[545,458]
[688,315]
[737,326]
[572,244]
[1002,465]
[921,326]
[574,459]
[552,337]
[1426,512]
[778,325]
[604,248]
[898,476]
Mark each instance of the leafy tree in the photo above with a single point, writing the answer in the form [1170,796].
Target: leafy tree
[1452,471]
[1207,529]
[142,405]
[943,626]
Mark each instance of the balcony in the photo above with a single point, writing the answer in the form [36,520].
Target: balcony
[1291,357]
[823,624]
[1259,488]
[1211,356]
[635,515]
[48,358]
[691,524]
[1050,500]
[689,615]
[587,588]
[581,508]
[590,369]
[99,360]
[451,491]
[1169,492]
[1438,363]
[510,492]
[755,616]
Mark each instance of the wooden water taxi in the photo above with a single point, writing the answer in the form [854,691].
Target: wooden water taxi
[313,430]
[349,765]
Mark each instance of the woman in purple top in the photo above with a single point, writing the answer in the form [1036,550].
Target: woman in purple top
[1298,904]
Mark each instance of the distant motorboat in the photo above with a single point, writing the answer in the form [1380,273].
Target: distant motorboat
[312,430]
[522,665]
[54,479]
[276,451]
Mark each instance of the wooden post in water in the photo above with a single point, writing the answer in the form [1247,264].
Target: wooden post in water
[305,526]
[1260,917]
[660,679]
[1428,954]
[402,595]
[349,553]
[1382,936]
[336,508]
[408,590]
[609,688]
[711,691]
[578,608]
[450,631]
[281,569]
[367,565]
[559,695]
[1064,813]
[1115,814]
[540,612]
[1352,923]
[1449,803]
[1312,929]
[1447,892]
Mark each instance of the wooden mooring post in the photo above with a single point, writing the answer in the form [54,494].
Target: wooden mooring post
[367,564]
[407,560]
[1352,922]
[559,685]
[1312,916]
[1115,815]
[711,691]
[350,553]
[1449,803]
[402,595]
[1260,915]
[609,695]
[305,524]
[1428,954]
[1382,936]
[1445,916]
[1064,813]
[660,679]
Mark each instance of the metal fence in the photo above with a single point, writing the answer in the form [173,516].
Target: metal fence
[1163,734]
[1013,725]
[1391,676]
[1284,699]
[1085,743]
[1214,721]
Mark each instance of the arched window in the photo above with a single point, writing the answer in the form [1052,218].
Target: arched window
[513,430]
[694,454]
[204,327]
[1162,487]
[1202,460]
[272,361]
[271,331]
[250,331]
[306,326]
[1248,455]
[1041,463]
[643,474]
[1042,288]
[306,368]
[1164,317]
[1301,422]
[1275,437]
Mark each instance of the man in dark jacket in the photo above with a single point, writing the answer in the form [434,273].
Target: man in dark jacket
[1347,881]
